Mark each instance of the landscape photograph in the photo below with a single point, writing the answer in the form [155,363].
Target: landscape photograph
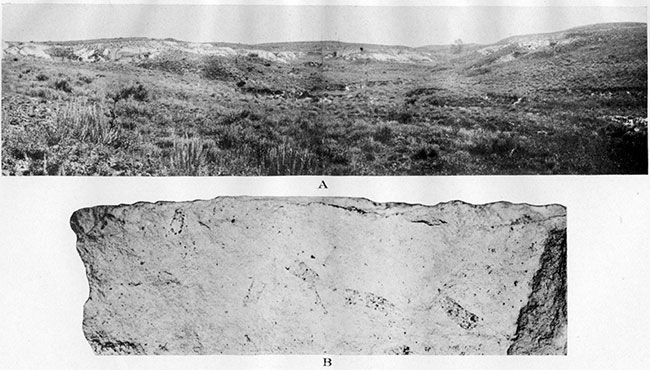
[144,90]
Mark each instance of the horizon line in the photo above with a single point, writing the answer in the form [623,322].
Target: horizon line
[308,41]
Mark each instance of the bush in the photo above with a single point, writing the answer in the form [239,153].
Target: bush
[86,79]
[63,85]
[383,133]
[137,92]
[215,69]
[403,117]
[426,152]
[488,143]
[42,77]
[45,93]
[628,145]
[63,53]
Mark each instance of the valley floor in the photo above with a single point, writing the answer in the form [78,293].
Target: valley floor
[319,117]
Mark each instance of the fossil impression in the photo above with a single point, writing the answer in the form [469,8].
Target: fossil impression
[247,275]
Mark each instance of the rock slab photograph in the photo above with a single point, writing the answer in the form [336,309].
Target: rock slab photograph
[339,276]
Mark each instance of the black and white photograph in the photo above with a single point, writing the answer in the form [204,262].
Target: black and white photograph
[273,272]
[312,275]
[324,185]
[257,90]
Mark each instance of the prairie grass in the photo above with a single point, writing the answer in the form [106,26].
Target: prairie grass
[193,116]
[191,156]
[285,159]
[87,124]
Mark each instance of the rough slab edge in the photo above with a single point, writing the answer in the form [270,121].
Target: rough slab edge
[553,333]
[325,200]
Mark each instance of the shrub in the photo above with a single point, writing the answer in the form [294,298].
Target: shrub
[488,143]
[628,145]
[426,152]
[86,79]
[383,133]
[215,69]
[42,77]
[403,117]
[137,92]
[63,85]
[134,109]
[45,93]
[63,53]
[238,116]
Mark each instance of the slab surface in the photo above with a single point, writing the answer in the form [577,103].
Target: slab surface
[241,275]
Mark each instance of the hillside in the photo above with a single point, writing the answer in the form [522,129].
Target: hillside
[137,49]
[573,101]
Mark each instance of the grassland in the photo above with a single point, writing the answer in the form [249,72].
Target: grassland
[570,107]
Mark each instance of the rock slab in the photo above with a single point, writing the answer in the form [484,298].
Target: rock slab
[248,275]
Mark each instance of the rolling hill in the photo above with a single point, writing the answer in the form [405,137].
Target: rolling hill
[573,101]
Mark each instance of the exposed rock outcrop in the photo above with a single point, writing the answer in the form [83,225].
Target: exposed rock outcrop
[25,49]
[242,275]
[134,50]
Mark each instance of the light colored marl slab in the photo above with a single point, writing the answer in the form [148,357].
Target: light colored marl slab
[243,275]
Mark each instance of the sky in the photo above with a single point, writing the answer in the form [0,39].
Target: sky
[251,24]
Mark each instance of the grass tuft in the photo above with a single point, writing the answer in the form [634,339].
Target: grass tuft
[87,124]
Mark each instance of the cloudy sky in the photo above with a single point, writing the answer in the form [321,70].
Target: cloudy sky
[403,25]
